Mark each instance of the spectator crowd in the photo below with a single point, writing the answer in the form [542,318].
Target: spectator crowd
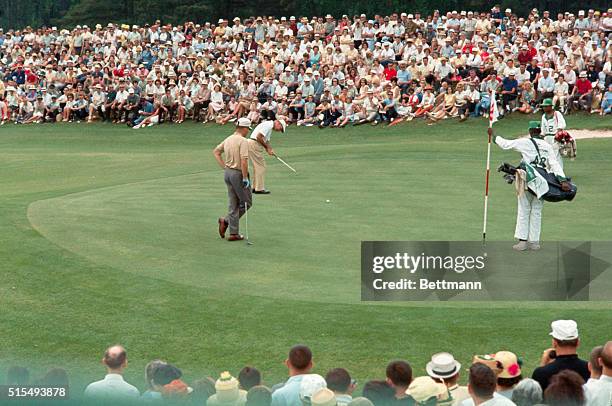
[498,379]
[322,70]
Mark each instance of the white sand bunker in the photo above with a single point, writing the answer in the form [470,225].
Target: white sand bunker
[584,134]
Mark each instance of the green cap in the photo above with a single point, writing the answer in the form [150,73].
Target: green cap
[546,102]
[534,124]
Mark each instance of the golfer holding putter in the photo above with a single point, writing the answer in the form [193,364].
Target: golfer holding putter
[260,141]
[235,164]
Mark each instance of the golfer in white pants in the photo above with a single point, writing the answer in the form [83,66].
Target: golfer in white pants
[529,215]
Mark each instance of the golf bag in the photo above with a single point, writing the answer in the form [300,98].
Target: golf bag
[554,194]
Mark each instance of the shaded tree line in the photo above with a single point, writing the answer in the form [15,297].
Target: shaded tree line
[68,13]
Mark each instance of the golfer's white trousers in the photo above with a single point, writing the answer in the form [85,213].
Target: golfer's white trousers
[528,218]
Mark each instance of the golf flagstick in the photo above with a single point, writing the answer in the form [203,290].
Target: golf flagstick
[285,163]
[493,114]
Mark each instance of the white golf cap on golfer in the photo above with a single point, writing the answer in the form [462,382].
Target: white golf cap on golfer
[442,365]
[564,330]
[283,124]
[243,122]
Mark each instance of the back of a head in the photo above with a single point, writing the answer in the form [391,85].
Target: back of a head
[259,395]
[249,377]
[379,392]
[150,369]
[482,380]
[300,357]
[565,389]
[399,372]
[594,356]
[606,356]
[527,392]
[338,380]
[17,376]
[202,390]
[56,377]
[115,357]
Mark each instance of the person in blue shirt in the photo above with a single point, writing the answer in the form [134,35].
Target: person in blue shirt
[146,109]
[403,77]
[509,91]
[606,101]
[299,364]
[18,75]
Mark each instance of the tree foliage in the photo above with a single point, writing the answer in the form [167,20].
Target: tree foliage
[68,13]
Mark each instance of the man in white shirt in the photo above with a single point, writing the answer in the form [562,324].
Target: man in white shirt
[113,388]
[258,142]
[600,393]
[481,387]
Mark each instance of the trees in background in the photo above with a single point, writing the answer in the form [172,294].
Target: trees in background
[68,13]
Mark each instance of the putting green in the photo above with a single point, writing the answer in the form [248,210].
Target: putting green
[304,247]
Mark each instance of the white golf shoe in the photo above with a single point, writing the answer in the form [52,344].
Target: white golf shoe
[521,246]
[534,246]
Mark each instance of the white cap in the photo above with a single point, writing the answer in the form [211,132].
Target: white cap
[243,122]
[284,125]
[311,384]
[508,10]
[564,329]
[323,397]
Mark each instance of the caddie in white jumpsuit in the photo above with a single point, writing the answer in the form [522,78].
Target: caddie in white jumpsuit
[552,122]
[529,215]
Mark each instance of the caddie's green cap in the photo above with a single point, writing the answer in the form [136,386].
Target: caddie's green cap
[534,124]
[546,102]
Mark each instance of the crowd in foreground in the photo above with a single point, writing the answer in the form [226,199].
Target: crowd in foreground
[309,71]
[499,379]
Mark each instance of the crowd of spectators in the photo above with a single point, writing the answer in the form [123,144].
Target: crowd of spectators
[320,70]
[498,379]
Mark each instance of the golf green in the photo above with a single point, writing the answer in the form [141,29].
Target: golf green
[110,235]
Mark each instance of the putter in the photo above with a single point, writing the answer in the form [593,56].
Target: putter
[285,163]
[246,226]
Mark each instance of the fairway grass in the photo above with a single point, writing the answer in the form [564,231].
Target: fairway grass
[109,235]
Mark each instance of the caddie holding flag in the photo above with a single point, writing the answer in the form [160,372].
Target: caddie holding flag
[537,155]
[258,142]
[232,155]
[553,130]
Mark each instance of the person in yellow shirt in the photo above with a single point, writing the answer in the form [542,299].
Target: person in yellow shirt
[232,155]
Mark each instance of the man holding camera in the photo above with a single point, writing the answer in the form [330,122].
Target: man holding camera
[563,354]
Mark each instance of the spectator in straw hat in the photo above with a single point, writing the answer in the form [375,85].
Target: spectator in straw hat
[228,392]
[510,374]
[426,392]
[323,397]
[562,355]
[444,368]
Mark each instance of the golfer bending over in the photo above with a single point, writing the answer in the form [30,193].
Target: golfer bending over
[260,141]
[236,168]
[538,153]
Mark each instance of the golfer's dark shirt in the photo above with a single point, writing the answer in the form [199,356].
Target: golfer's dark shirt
[562,362]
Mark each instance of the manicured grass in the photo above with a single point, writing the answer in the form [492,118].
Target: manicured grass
[109,235]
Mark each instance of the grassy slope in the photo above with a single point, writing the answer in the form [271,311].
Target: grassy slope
[131,256]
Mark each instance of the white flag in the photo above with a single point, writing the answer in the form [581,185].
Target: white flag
[493,113]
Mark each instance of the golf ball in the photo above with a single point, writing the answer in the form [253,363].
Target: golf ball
[327,201]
